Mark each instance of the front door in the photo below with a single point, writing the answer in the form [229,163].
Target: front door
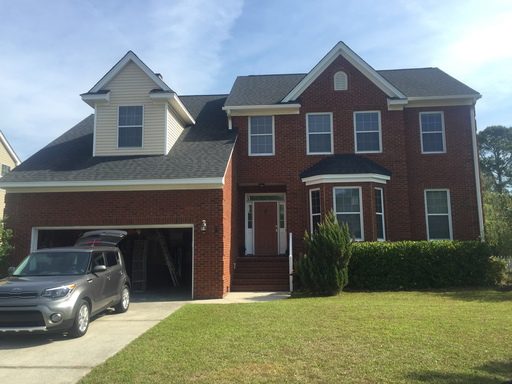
[265,228]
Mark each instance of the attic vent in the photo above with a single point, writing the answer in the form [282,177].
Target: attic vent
[340,81]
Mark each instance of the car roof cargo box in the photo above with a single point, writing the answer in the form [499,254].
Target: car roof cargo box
[104,237]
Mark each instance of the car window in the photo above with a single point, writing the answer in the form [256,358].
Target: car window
[98,259]
[111,258]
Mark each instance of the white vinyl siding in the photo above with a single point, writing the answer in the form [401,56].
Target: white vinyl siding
[130,87]
[174,128]
[348,208]
[432,132]
[319,138]
[261,136]
[438,214]
[367,132]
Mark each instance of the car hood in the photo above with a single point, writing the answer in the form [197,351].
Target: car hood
[36,283]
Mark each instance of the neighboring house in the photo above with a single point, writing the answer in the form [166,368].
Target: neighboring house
[221,180]
[8,160]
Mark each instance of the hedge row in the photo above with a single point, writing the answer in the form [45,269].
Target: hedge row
[423,265]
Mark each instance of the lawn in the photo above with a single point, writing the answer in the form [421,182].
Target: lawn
[400,337]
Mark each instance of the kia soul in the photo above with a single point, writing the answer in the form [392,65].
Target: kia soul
[60,289]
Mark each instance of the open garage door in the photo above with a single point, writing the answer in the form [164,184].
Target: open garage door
[158,259]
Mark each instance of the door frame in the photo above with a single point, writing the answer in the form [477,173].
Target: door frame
[280,200]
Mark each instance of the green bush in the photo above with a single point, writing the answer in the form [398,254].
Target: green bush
[423,265]
[5,247]
[324,268]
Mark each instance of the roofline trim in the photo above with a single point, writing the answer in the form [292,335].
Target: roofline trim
[114,185]
[130,56]
[341,49]
[93,98]
[260,106]
[9,149]
[346,178]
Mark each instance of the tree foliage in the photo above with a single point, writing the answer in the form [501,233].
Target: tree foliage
[324,268]
[498,222]
[495,145]
[5,247]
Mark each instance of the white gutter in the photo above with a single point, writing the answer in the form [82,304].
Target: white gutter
[266,106]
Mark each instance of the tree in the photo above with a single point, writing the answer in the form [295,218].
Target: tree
[495,145]
[5,247]
[324,268]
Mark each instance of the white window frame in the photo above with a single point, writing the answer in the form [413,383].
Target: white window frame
[127,126]
[316,133]
[335,77]
[381,214]
[311,214]
[260,134]
[448,202]
[361,220]
[379,131]
[442,131]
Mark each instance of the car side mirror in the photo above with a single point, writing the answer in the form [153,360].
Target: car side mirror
[99,268]
[11,270]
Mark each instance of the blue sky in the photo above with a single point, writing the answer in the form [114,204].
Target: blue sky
[51,51]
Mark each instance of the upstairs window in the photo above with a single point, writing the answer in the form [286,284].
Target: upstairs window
[438,214]
[432,132]
[319,133]
[5,169]
[261,135]
[367,129]
[347,204]
[340,81]
[130,127]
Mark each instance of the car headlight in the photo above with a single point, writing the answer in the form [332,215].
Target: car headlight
[58,292]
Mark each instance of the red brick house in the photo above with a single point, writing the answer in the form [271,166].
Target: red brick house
[226,178]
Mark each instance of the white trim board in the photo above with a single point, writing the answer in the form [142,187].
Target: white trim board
[347,178]
[9,149]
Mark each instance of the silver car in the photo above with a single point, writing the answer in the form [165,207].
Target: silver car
[59,289]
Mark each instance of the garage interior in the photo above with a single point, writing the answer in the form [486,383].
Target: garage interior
[158,260]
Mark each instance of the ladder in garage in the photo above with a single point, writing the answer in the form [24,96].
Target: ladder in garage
[139,265]
[167,257]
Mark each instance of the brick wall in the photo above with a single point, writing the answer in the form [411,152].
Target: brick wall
[411,171]
[211,249]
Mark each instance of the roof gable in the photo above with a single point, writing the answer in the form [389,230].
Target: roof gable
[9,149]
[341,49]
[129,57]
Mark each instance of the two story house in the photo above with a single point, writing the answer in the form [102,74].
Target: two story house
[216,183]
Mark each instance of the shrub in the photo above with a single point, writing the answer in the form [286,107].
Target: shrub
[423,265]
[5,247]
[324,268]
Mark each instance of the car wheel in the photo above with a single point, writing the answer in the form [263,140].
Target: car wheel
[82,318]
[124,303]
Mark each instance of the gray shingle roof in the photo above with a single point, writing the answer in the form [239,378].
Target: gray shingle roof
[415,82]
[201,151]
[346,164]
[262,89]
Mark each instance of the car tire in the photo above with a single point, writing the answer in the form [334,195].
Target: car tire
[124,303]
[82,319]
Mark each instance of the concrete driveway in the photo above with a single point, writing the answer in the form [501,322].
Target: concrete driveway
[58,359]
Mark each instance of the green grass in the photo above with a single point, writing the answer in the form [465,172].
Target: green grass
[401,337]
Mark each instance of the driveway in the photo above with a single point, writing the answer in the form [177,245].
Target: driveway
[57,359]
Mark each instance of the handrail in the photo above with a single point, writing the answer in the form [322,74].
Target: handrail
[290,260]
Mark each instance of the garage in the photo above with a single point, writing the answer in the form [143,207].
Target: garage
[159,259]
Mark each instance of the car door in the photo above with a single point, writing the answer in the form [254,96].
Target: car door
[97,282]
[114,276]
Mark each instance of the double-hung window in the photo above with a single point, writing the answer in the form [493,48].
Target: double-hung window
[347,205]
[130,126]
[432,132]
[379,214]
[438,214]
[314,203]
[319,133]
[261,135]
[367,129]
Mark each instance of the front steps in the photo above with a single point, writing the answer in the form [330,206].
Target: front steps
[261,273]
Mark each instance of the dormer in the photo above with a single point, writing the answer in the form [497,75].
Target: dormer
[136,112]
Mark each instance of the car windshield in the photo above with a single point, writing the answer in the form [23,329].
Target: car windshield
[53,264]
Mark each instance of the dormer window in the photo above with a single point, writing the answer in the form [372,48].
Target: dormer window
[130,127]
[340,81]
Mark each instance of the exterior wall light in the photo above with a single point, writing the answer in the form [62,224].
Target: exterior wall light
[202,228]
